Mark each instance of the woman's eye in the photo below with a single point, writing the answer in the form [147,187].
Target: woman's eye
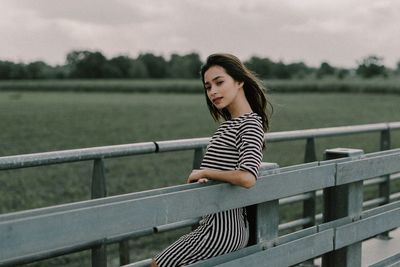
[219,82]
[207,88]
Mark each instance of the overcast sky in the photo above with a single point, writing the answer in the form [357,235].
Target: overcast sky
[338,31]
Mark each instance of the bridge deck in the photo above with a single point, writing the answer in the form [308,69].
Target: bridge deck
[376,249]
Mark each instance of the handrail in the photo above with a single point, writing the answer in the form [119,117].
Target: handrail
[64,156]
[90,222]
[98,154]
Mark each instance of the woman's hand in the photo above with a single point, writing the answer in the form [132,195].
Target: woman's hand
[197,176]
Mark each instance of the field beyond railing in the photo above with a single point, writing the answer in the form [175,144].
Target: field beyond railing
[99,154]
[390,86]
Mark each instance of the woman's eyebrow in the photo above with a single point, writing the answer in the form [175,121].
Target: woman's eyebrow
[215,78]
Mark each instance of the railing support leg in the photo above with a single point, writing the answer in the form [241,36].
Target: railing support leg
[309,205]
[384,187]
[99,189]
[310,154]
[198,157]
[342,201]
[124,257]
[264,218]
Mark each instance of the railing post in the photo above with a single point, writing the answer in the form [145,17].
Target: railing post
[310,154]
[342,201]
[198,157]
[309,205]
[99,189]
[384,187]
[264,217]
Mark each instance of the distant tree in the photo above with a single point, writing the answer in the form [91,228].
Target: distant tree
[119,67]
[186,66]
[156,65]
[138,70]
[398,67]
[299,70]
[324,70]
[371,66]
[281,71]
[38,70]
[18,71]
[86,64]
[342,73]
[6,69]
[262,66]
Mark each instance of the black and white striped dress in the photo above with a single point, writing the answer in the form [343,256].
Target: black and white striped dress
[236,145]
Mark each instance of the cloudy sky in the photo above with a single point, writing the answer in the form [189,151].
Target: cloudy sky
[338,31]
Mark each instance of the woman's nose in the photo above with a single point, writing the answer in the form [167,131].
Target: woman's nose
[212,90]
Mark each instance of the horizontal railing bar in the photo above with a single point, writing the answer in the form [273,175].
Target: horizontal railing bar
[366,168]
[381,209]
[395,176]
[374,181]
[381,153]
[338,223]
[265,169]
[59,227]
[373,202]
[64,156]
[293,199]
[182,144]
[173,226]
[329,131]
[395,196]
[366,228]
[391,261]
[142,263]
[98,201]
[301,249]
[25,259]
[297,198]
[293,224]
[73,155]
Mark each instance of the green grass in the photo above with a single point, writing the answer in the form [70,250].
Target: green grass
[44,121]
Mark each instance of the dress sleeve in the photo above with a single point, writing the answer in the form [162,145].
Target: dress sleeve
[250,139]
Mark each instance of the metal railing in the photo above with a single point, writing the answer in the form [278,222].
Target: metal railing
[99,154]
[40,233]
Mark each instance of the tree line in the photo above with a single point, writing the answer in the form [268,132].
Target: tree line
[83,64]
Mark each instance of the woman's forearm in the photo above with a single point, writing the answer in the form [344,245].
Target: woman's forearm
[235,177]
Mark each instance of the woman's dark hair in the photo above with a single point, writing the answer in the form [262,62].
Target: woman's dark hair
[252,86]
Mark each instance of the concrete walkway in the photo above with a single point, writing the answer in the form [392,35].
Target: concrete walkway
[375,250]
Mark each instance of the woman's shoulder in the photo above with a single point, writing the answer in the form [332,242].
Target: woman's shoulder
[250,119]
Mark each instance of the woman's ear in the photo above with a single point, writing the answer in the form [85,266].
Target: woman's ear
[241,84]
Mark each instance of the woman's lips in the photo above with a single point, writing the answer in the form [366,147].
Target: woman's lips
[217,100]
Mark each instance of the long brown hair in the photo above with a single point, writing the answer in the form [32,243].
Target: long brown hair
[252,86]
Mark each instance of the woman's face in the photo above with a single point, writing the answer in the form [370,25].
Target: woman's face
[222,89]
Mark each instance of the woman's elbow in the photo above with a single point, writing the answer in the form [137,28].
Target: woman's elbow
[248,181]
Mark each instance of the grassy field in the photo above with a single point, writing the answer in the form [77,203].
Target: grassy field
[45,121]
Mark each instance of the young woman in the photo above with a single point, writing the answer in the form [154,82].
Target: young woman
[233,155]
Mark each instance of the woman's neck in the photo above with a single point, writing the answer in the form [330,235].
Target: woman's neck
[240,111]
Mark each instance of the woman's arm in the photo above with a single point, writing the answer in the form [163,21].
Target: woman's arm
[236,177]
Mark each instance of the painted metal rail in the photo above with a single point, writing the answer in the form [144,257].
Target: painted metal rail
[99,190]
[37,233]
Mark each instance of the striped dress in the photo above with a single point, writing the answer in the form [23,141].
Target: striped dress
[236,145]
